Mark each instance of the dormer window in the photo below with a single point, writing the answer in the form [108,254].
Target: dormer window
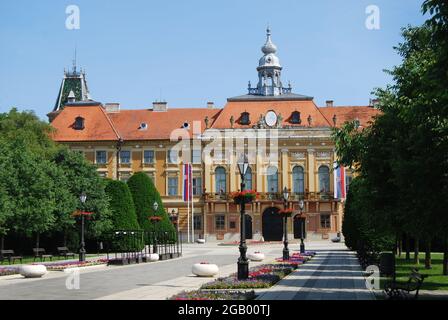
[79,123]
[143,126]
[185,125]
[295,118]
[245,118]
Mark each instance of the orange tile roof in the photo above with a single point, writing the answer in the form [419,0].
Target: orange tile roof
[364,114]
[160,124]
[283,107]
[105,126]
[97,125]
[111,126]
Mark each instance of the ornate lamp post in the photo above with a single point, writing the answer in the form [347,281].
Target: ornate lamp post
[285,226]
[243,263]
[302,225]
[82,250]
[154,221]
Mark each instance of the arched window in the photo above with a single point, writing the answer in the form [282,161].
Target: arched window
[221,180]
[248,179]
[272,173]
[324,179]
[298,180]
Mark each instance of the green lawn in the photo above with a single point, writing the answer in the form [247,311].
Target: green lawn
[435,279]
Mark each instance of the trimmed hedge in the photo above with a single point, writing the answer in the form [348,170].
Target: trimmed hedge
[123,213]
[144,194]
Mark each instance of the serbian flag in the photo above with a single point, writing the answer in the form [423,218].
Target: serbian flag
[339,181]
[188,183]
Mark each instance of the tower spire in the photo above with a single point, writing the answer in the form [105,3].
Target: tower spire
[74,62]
[269,71]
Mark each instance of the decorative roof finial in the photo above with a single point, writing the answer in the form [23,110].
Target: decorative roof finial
[268,47]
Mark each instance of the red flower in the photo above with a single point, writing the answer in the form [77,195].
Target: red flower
[155,218]
[81,213]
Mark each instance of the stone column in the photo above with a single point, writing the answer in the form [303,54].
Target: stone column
[260,176]
[285,170]
[311,171]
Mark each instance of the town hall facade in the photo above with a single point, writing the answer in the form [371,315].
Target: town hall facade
[299,153]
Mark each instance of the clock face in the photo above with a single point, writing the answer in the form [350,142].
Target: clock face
[271,118]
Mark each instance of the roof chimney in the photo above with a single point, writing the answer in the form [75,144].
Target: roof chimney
[329,103]
[112,107]
[374,103]
[159,106]
[210,104]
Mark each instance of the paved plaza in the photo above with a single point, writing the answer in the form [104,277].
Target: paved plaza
[333,273]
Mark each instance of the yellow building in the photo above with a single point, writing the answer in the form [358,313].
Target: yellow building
[286,137]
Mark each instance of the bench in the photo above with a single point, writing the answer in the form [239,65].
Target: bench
[39,253]
[64,252]
[402,290]
[10,256]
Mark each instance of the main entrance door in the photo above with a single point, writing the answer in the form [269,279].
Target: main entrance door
[299,227]
[248,227]
[272,225]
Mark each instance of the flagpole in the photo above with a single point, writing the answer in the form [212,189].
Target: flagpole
[192,205]
[188,199]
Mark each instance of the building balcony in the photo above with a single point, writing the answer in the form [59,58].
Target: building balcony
[273,196]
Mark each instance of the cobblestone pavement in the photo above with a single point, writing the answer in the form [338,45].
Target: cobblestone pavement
[333,274]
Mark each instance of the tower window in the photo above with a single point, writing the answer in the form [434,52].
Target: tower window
[245,119]
[79,123]
[295,118]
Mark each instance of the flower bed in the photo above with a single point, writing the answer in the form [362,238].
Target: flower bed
[73,264]
[7,271]
[263,276]
[214,295]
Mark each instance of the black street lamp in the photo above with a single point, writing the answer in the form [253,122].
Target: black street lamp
[285,226]
[82,250]
[155,206]
[243,263]
[302,225]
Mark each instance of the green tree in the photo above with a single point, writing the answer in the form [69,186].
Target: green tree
[123,213]
[402,157]
[28,181]
[83,177]
[144,194]
[28,128]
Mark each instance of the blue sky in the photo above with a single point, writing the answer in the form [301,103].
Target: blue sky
[191,52]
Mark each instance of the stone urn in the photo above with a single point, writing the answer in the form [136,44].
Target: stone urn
[33,270]
[205,269]
[152,257]
[256,256]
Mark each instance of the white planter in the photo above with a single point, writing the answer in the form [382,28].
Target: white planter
[33,271]
[256,256]
[201,241]
[205,270]
[152,257]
